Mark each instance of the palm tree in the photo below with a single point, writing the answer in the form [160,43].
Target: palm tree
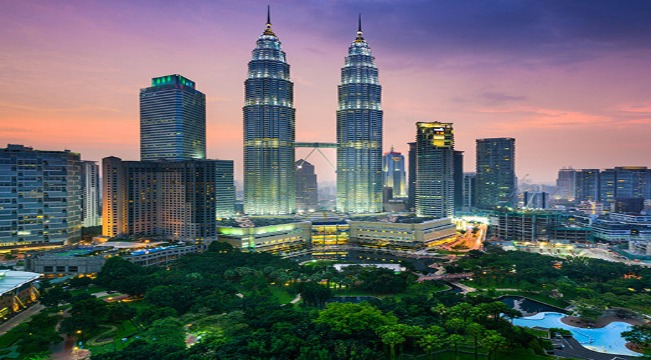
[493,341]
[475,330]
[455,340]
[430,343]
[392,339]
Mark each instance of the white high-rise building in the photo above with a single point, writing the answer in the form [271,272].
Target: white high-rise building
[90,194]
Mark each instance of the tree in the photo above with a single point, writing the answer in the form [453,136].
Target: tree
[220,247]
[348,318]
[174,296]
[640,335]
[168,331]
[493,341]
[86,314]
[55,296]
[431,343]
[314,294]
[455,340]
[117,268]
[119,312]
[587,311]
[475,330]
[462,310]
[455,325]
[392,338]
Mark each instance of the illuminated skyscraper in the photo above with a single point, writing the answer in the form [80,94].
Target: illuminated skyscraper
[172,120]
[359,132]
[496,173]
[393,167]
[269,130]
[90,193]
[411,193]
[434,169]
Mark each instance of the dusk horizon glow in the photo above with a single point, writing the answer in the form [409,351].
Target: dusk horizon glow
[568,80]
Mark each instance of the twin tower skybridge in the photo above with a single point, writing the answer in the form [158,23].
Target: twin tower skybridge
[317,146]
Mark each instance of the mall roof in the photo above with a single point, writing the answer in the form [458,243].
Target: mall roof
[10,280]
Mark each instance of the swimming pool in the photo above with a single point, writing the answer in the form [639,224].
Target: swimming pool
[605,340]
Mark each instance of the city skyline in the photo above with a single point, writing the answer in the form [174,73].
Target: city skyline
[572,73]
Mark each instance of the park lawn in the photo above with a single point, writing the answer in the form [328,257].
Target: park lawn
[137,304]
[320,263]
[281,294]
[87,290]
[125,330]
[10,337]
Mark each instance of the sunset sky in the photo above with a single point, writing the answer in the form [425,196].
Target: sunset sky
[569,79]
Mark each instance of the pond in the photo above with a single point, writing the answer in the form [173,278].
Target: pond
[353,299]
[362,256]
[607,339]
[527,306]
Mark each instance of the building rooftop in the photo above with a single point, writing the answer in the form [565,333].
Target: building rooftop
[398,219]
[10,280]
[257,221]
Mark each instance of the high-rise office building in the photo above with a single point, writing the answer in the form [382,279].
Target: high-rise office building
[175,200]
[469,190]
[225,188]
[624,182]
[458,180]
[566,183]
[40,196]
[586,185]
[307,192]
[434,169]
[411,192]
[359,132]
[172,120]
[536,200]
[90,194]
[496,185]
[269,130]
[393,169]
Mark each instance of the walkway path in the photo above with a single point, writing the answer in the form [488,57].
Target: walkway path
[464,288]
[20,318]
[573,349]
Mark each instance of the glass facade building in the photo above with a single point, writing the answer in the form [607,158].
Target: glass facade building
[359,132]
[307,193]
[40,196]
[495,177]
[172,120]
[434,169]
[586,186]
[269,131]
[393,169]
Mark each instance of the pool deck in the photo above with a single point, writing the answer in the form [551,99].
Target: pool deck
[603,321]
[573,349]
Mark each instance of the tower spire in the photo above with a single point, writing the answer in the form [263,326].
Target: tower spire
[267,30]
[359,37]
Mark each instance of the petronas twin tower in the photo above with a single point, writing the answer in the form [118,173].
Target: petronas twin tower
[269,131]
